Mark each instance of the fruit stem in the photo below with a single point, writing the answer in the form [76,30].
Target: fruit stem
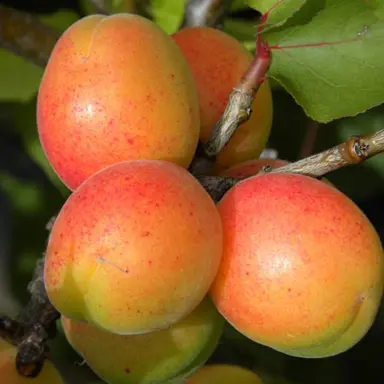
[209,13]
[353,151]
[36,324]
[100,6]
[26,36]
[239,106]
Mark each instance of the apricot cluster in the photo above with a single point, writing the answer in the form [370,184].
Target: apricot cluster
[142,264]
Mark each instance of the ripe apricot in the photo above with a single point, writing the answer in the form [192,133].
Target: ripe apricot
[224,374]
[153,357]
[218,61]
[135,248]
[9,374]
[302,269]
[116,88]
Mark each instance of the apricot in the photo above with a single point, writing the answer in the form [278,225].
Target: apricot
[135,248]
[218,61]
[153,357]
[9,374]
[116,88]
[224,374]
[302,269]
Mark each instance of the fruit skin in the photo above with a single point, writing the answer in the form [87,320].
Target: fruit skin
[302,269]
[9,374]
[218,61]
[115,88]
[135,248]
[149,358]
[224,373]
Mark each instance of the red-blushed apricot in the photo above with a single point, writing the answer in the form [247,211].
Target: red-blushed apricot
[135,248]
[116,88]
[153,357]
[302,269]
[224,374]
[9,374]
[252,167]
[218,61]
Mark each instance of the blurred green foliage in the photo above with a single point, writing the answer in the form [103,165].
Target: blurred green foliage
[34,193]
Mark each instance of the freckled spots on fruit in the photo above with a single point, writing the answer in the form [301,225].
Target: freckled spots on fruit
[127,370]
[145,233]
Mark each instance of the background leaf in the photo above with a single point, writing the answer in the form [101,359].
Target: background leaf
[19,78]
[379,7]
[279,14]
[168,14]
[332,81]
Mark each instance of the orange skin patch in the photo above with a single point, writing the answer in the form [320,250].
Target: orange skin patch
[116,88]
[135,248]
[302,268]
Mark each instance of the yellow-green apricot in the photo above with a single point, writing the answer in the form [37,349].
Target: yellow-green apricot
[149,358]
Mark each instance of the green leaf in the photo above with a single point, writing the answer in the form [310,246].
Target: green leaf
[168,14]
[23,118]
[60,20]
[239,5]
[243,31]
[332,80]
[281,10]
[19,78]
[379,7]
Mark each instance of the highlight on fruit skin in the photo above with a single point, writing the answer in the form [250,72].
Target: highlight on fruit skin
[218,61]
[115,88]
[135,248]
[150,358]
[9,374]
[224,374]
[302,269]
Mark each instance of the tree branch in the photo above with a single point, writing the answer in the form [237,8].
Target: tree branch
[26,36]
[100,6]
[239,106]
[209,13]
[355,150]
